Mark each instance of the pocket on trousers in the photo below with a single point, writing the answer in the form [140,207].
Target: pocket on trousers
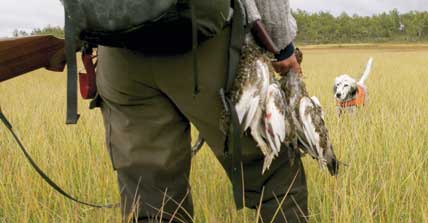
[106,111]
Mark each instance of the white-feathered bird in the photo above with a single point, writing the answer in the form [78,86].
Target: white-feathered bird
[279,112]
[259,103]
[279,127]
[309,123]
[249,94]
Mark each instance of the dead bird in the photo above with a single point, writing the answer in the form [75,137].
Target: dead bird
[200,140]
[279,126]
[308,119]
[249,94]
[278,112]
[259,103]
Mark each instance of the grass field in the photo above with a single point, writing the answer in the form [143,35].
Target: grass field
[385,147]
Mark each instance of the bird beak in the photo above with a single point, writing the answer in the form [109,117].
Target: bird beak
[332,163]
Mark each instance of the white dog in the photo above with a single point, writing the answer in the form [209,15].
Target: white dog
[349,93]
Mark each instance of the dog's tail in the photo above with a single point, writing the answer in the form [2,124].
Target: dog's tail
[366,71]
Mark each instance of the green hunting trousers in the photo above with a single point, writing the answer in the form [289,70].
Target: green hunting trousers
[147,106]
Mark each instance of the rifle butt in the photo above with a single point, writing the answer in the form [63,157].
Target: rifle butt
[22,55]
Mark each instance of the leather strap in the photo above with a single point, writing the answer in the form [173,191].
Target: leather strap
[44,176]
[194,50]
[70,53]
[236,40]
[233,153]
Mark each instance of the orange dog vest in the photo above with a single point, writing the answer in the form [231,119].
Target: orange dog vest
[357,101]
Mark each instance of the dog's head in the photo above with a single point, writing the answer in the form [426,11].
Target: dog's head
[345,88]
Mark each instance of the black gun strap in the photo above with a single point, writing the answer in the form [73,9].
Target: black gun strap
[43,174]
[70,54]
[232,144]
[237,36]
[194,49]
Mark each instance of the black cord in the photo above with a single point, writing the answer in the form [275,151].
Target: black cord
[43,174]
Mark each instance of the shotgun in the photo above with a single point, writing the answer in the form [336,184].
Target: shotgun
[24,54]
[21,55]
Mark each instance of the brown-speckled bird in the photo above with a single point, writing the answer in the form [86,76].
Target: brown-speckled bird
[278,113]
[309,123]
[259,103]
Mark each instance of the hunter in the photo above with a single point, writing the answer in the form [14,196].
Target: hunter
[148,102]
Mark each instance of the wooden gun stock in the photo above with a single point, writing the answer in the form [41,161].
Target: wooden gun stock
[262,37]
[21,55]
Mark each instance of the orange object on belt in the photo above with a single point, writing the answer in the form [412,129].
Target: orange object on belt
[88,87]
[357,101]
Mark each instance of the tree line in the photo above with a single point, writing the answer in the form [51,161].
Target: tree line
[323,27]
[48,30]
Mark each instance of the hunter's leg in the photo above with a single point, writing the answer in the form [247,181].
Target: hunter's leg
[282,189]
[204,111]
[147,137]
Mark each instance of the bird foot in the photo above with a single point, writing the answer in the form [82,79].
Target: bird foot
[267,162]
[264,149]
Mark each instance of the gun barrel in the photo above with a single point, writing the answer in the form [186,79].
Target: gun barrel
[21,55]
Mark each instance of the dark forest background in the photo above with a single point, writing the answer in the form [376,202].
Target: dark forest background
[323,27]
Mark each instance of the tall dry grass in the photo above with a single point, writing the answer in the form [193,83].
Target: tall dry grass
[385,147]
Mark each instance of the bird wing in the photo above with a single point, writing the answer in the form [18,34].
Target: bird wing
[254,91]
[316,133]
[311,137]
[247,105]
[274,119]
[263,76]
[318,103]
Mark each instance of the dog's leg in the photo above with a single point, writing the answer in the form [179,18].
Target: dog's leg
[339,111]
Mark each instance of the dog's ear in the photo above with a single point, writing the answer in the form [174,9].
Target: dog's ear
[336,82]
[354,89]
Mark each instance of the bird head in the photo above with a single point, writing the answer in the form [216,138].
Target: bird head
[331,161]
